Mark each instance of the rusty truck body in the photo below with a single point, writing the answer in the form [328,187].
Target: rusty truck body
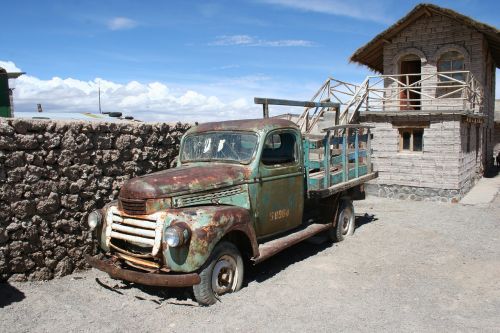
[242,190]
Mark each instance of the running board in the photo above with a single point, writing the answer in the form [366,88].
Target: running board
[270,248]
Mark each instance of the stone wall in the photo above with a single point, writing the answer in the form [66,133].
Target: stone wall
[53,173]
[412,193]
[471,168]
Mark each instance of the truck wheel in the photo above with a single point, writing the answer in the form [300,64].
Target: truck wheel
[345,221]
[222,274]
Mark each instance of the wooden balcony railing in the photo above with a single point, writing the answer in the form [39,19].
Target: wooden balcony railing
[440,91]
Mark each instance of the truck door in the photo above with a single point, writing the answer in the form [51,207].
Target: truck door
[280,190]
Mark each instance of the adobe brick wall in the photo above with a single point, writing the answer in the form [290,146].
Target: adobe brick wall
[470,166]
[429,37]
[53,173]
[437,172]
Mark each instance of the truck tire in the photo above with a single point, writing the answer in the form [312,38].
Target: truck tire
[345,221]
[222,274]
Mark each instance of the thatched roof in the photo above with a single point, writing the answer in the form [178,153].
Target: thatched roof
[371,54]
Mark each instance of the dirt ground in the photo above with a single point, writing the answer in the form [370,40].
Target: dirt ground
[410,266]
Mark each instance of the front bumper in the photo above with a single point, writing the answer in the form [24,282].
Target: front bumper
[149,279]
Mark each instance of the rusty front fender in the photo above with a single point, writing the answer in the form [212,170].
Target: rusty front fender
[208,225]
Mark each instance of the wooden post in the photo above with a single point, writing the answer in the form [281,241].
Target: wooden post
[307,120]
[337,116]
[326,143]
[307,161]
[265,110]
[368,152]
[356,153]
[345,159]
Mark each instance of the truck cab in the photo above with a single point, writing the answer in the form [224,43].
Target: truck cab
[240,191]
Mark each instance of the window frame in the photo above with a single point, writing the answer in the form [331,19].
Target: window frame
[451,61]
[412,131]
[447,84]
[296,150]
[245,162]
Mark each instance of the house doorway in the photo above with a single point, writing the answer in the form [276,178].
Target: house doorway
[409,95]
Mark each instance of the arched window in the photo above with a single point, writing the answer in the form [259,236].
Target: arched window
[450,67]
[452,61]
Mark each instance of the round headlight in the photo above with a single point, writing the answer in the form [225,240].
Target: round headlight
[94,219]
[176,236]
[173,236]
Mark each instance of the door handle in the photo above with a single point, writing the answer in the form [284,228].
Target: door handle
[258,179]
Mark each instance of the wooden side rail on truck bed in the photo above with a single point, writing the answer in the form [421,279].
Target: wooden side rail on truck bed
[338,161]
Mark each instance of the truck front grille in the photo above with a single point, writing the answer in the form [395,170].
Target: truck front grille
[205,198]
[133,206]
[143,233]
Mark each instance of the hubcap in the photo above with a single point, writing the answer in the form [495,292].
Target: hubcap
[224,275]
[346,221]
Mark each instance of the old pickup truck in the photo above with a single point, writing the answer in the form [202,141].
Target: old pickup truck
[241,192]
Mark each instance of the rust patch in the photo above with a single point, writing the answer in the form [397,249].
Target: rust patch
[184,180]
[208,225]
[244,125]
[138,261]
[150,279]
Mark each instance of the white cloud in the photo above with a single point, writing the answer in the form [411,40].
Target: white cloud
[153,101]
[225,67]
[9,66]
[359,9]
[234,40]
[121,23]
[288,42]
[246,40]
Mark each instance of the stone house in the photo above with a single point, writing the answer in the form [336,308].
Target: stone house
[432,107]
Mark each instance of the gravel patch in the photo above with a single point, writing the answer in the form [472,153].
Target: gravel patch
[410,266]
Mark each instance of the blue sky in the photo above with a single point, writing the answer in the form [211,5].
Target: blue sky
[192,60]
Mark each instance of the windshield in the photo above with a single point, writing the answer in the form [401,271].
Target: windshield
[221,146]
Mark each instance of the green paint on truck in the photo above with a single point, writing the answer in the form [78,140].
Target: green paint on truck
[242,190]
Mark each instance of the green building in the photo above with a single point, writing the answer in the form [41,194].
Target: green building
[6,106]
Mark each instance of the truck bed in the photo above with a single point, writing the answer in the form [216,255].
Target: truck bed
[339,160]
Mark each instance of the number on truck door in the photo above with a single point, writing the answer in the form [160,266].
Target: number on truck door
[280,194]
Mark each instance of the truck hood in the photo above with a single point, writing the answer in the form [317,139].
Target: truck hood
[183,180]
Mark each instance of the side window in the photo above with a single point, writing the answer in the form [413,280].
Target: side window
[411,139]
[451,63]
[279,148]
